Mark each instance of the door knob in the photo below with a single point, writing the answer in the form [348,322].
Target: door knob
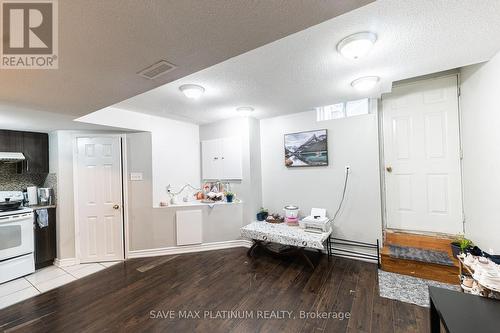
[389,169]
[116,207]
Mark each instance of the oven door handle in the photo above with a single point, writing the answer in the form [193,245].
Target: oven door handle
[10,219]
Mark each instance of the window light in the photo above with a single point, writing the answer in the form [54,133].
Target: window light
[357,108]
[344,110]
[329,112]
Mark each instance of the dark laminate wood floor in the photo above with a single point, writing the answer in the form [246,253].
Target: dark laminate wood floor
[125,296]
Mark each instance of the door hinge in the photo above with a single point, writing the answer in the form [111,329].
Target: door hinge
[461,154]
[459,92]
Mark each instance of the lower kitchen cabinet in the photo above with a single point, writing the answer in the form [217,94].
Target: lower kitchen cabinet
[45,241]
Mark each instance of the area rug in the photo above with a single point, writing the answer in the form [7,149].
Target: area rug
[422,255]
[408,289]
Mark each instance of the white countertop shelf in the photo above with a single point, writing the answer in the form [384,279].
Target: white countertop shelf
[199,203]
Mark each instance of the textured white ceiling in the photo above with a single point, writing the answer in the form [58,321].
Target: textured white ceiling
[304,70]
[103,44]
[22,119]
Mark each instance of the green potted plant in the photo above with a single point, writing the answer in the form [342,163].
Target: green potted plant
[229,196]
[461,245]
[262,214]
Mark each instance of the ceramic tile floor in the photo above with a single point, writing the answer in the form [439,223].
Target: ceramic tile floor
[44,280]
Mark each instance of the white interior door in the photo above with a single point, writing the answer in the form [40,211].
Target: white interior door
[422,156]
[99,199]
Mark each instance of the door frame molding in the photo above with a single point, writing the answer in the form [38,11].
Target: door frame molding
[383,187]
[124,190]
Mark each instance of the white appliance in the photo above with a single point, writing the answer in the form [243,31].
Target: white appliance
[317,222]
[32,195]
[291,214]
[8,157]
[16,239]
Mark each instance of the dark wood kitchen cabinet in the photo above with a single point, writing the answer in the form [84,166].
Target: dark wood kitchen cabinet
[45,241]
[36,151]
[34,146]
[11,141]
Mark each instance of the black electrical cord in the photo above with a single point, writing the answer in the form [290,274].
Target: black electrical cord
[343,193]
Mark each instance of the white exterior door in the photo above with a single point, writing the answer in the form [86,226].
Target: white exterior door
[99,199]
[422,157]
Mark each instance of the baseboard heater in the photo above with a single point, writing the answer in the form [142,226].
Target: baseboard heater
[335,250]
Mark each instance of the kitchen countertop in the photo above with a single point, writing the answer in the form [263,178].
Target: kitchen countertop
[36,207]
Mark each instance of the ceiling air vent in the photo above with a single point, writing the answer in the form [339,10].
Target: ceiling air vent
[157,69]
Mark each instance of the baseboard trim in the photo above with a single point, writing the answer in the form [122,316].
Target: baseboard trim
[189,248]
[66,262]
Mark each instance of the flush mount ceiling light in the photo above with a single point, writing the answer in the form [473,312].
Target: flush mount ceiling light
[365,83]
[245,110]
[193,91]
[357,45]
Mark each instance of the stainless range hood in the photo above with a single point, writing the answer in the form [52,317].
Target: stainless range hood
[11,157]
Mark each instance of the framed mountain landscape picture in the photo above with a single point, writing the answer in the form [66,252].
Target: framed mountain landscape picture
[306,149]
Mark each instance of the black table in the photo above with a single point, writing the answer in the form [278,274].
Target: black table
[460,312]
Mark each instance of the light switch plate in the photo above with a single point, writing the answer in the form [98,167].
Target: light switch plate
[135,176]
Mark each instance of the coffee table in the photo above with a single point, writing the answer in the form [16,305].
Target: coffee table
[294,238]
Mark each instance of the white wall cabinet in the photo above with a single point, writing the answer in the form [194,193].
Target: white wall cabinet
[221,158]
[210,159]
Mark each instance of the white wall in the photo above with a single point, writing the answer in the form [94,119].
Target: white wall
[351,141]
[152,228]
[479,102]
[255,202]
[142,230]
[61,147]
[174,143]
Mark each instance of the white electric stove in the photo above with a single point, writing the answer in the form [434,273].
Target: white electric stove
[16,239]
[17,211]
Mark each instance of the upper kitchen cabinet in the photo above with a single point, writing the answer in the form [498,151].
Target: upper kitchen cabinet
[34,146]
[11,141]
[36,151]
[221,159]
